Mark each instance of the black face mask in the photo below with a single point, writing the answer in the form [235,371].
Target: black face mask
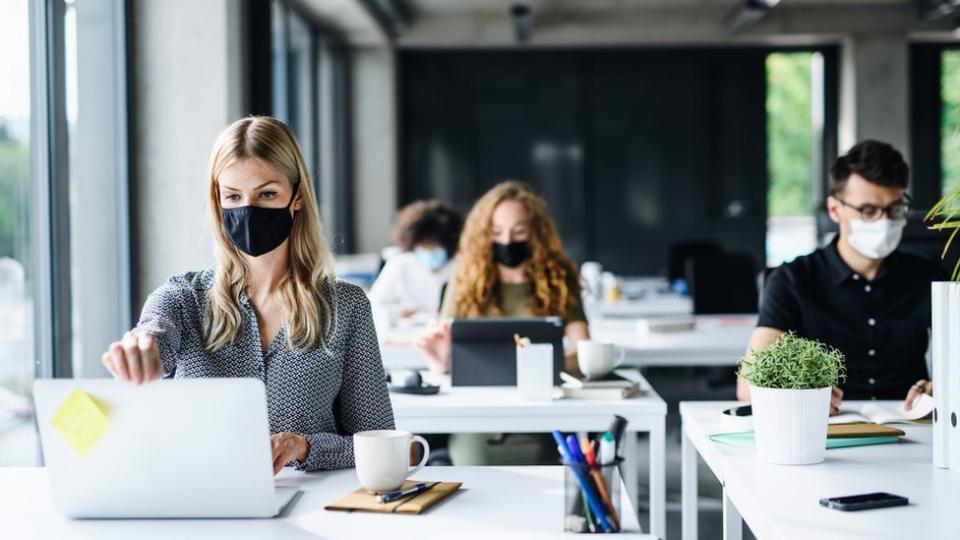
[511,255]
[256,230]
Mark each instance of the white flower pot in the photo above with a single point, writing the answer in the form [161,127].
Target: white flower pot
[790,426]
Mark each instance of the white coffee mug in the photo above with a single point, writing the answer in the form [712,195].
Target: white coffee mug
[383,458]
[597,358]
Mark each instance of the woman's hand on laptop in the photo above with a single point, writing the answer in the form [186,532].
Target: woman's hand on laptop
[135,358]
[435,344]
[287,447]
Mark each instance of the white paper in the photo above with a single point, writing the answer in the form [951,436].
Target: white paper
[886,414]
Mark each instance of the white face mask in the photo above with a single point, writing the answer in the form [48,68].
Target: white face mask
[875,239]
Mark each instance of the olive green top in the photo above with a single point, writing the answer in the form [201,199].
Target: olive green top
[513,302]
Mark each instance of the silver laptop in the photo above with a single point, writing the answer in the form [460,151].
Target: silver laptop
[187,448]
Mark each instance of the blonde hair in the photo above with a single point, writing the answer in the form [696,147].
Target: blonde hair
[554,277]
[310,262]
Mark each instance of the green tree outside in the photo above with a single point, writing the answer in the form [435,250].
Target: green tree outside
[950,120]
[789,135]
[14,180]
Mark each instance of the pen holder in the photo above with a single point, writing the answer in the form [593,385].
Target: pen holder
[591,497]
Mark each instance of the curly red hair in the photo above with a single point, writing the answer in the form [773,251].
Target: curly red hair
[556,282]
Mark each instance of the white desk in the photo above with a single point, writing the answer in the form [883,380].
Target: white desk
[499,409]
[651,305]
[782,501]
[494,502]
[717,340]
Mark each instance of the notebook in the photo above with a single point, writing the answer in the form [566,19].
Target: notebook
[365,501]
[879,413]
[610,386]
[746,439]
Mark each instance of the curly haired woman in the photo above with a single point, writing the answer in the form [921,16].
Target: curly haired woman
[510,263]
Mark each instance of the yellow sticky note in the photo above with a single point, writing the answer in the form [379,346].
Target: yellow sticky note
[80,421]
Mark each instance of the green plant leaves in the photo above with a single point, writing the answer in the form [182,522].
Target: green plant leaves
[795,363]
[947,208]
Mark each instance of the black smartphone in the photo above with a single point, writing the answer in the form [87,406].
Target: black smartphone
[866,501]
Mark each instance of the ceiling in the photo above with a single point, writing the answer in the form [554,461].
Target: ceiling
[488,22]
[454,6]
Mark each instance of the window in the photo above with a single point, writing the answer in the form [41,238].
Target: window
[294,71]
[100,290]
[302,73]
[64,256]
[309,91]
[950,120]
[18,443]
[794,126]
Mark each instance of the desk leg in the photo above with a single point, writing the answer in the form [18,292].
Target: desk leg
[658,484]
[688,486]
[630,468]
[732,522]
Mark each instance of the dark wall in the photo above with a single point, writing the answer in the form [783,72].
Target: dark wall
[926,108]
[632,149]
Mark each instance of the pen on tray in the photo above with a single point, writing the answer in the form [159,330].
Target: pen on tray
[394,495]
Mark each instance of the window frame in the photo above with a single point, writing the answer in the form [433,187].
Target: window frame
[926,110]
[50,176]
[330,94]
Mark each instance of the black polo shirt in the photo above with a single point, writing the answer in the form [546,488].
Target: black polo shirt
[881,326]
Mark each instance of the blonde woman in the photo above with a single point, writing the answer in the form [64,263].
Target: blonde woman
[270,308]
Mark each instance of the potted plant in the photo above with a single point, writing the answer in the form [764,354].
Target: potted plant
[790,381]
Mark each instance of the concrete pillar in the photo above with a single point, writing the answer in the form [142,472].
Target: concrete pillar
[188,66]
[375,162]
[874,91]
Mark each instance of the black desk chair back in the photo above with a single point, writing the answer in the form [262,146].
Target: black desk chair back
[723,283]
[681,252]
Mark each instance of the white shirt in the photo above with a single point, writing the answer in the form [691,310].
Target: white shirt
[405,283]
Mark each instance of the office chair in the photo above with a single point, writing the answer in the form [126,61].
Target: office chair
[680,252]
[722,283]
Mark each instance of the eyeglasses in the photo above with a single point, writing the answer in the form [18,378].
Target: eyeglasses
[869,212]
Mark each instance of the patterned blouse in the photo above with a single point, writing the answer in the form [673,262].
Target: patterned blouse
[325,394]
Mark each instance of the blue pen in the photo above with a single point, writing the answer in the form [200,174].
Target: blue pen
[592,499]
[394,495]
[574,447]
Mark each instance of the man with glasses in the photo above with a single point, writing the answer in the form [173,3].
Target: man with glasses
[859,294]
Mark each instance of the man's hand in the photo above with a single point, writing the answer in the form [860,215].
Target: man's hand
[922,386]
[836,398]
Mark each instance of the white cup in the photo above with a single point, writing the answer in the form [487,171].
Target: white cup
[596,358]
[591,271]
[535,372]
[383,458]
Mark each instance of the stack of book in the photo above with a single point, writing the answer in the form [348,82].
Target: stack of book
[610,386]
